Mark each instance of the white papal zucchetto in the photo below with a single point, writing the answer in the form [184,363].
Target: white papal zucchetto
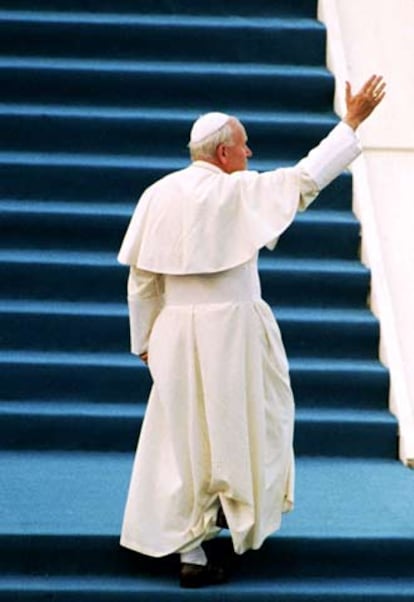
[206,125]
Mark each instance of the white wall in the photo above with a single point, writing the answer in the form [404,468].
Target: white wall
[366,37]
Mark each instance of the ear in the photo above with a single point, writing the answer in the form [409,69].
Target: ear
[221,154]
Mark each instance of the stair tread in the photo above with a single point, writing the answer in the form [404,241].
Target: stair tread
[244,587]
[110,161]
[67,408]
[328,364]
[345,315]
[160,113]
[128,360]
[109,259]
[97,210]
[335,497]
[179,67]
[60,257]
[305,264]
[114,18]
[118,161]
[107,410]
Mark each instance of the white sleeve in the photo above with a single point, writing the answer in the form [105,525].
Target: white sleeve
[145,301]
[326,161]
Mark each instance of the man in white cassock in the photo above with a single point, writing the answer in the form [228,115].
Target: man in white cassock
[216,441]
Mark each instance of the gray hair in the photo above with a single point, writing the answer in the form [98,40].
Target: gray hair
[206,148]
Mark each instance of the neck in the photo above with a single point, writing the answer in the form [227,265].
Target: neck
[211,161]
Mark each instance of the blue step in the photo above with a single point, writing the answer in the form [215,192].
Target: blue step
[56,178]
[115,427]
[84,228]
[306,332]
[141,135]
[39,275]
[126,589]
[161,37]
[314,283]
[300,8]
[72,535]
[160,84]
[103,377]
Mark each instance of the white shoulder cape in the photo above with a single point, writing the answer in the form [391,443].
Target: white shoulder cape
[202,220]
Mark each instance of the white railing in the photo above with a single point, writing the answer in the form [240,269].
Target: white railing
[386,292]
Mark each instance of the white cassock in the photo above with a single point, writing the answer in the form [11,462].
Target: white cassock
[219,422]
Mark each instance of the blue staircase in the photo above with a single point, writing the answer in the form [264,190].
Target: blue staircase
[97,101]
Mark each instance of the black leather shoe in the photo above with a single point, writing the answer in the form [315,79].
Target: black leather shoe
[194,575]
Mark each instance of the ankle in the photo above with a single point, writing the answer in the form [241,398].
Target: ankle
[195,556]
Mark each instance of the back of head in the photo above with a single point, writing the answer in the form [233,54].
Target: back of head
[207,132]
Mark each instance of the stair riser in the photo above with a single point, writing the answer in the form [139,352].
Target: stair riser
[120,433]
[59,282]
[131,384]
[341,439]
[160,40]
[264,594]
[300,8]
[103,184]
[50,382]
[148,136]
[315,240]
[85,182]
[105,232]
[314,289]
[233,90]
[362,389]
[331,339]
[95,333]
[98,283]
[280,558]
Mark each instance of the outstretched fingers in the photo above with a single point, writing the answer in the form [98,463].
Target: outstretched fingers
[360,105]
[374,88]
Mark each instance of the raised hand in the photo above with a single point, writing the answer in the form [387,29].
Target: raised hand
[361,105]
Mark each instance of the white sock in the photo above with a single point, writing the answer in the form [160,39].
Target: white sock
[195,556]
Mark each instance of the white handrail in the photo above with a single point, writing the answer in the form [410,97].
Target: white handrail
[380,299]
